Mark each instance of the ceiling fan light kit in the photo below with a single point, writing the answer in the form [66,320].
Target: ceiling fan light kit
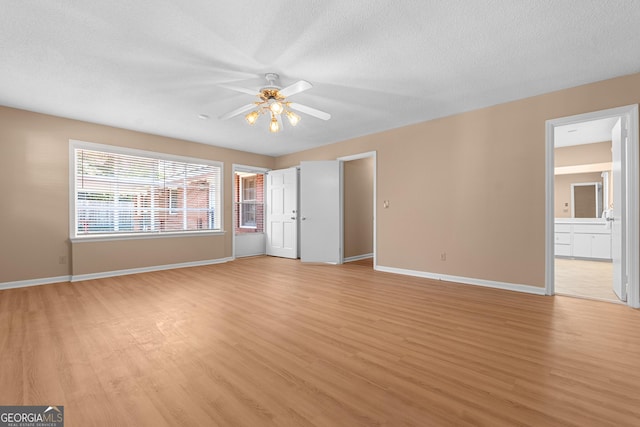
[252,117]
[273,101]
[294,119]
[274,126]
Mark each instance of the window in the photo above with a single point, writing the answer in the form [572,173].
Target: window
[249,188]
[248,201]
[121,191]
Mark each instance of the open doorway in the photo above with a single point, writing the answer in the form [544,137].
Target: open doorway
[583,202]
[592,205]
[359,172]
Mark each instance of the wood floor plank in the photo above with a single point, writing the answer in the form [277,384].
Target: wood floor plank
[272,342]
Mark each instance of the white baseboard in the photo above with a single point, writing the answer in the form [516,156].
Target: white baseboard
[34,282]
[465,280]
[357,257]
[101,275]
[250,255]
[80,277]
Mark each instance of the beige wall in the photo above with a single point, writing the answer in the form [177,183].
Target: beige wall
[94,257]
[358,207]
[34,214]
[471,185]
[586,154]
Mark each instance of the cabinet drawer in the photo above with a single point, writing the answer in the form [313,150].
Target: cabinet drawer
[591,228]
[562,228]
[563,238]
[562,250]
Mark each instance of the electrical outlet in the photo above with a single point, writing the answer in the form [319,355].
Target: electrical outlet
[443,256]
[62,259]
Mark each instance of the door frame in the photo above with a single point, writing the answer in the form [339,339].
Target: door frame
[240,168]
[630,217]
[365,155]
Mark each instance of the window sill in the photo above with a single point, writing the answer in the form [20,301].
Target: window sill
[137,236]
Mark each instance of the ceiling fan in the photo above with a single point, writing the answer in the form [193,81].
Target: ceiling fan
[272,100]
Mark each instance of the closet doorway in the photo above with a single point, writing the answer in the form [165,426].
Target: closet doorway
[359,209]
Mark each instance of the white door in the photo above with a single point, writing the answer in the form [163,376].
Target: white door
[618,239]
[282,206]
[321,211]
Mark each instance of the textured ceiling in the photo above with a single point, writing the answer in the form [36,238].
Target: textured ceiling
[154,66]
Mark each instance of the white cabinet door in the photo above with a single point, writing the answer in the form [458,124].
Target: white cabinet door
[601,246]
[582,245]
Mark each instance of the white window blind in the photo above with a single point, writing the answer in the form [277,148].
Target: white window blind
[118,193]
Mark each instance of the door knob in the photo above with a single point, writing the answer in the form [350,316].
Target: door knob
[293,217]
[303,218]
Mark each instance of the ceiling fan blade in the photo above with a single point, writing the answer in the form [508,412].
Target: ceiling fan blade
[310,111]
[297,87]
[241,89]
[237,111]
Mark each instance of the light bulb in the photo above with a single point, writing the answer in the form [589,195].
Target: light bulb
[276,107]
[294,119]
[252,117]
[274,126]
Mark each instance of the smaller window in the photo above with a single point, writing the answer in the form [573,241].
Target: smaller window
[248,202]
[249,188]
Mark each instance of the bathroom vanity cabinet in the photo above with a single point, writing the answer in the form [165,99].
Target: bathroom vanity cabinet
[583,238]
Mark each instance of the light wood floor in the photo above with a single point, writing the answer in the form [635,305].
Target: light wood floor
[591,279]
[271,342]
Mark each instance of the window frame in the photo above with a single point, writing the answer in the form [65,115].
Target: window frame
[73,218]
[243,201]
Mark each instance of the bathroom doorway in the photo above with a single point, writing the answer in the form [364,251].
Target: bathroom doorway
[583,198]
[592,171]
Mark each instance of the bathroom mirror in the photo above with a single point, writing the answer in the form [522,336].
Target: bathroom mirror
[586,200]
